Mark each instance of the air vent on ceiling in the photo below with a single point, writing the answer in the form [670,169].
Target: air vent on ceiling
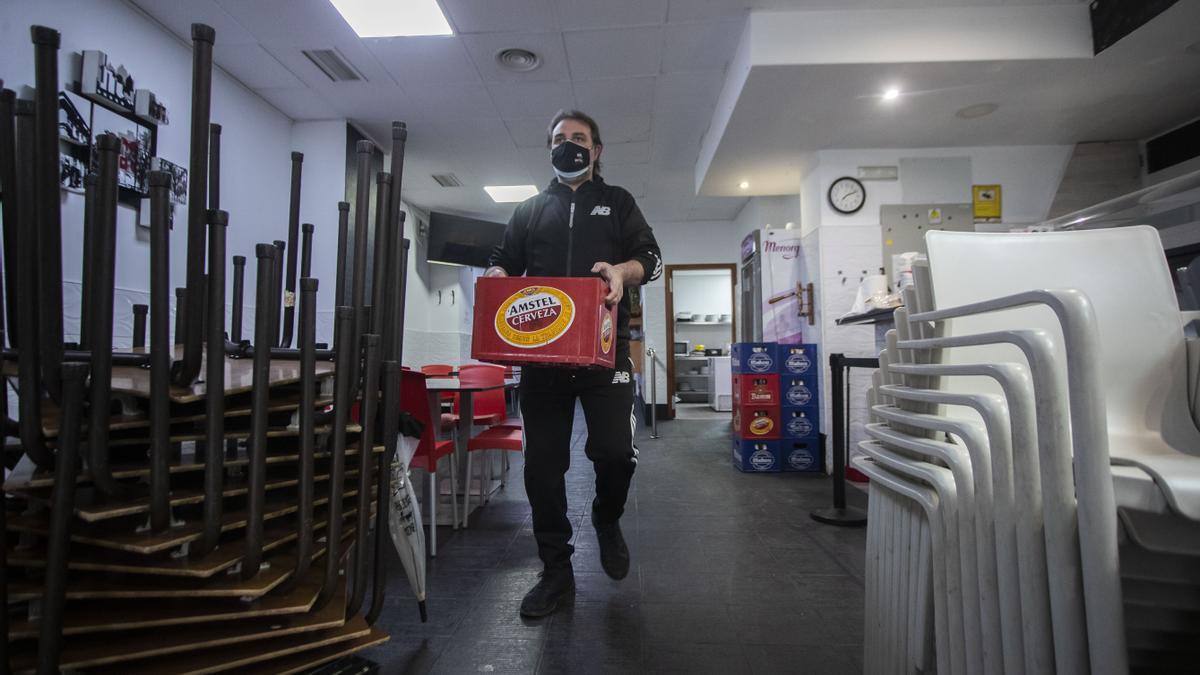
[520,60]
[447,180]
[334,65]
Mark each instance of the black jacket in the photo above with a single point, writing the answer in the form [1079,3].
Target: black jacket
[545,238]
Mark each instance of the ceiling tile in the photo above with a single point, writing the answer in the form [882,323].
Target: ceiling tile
[307,23]
[501,16]
[625,95]
[628,52]
[370,101]
[687,92]
[700,46]
[454,101]
[353,52]
[299,103]
[706,10]
[532,99]
[582,14]
[254,67]
[624,128]
[626,153]
[179,15]
[548,46]
[528,132]
[437,59]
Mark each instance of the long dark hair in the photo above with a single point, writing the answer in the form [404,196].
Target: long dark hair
[580,116]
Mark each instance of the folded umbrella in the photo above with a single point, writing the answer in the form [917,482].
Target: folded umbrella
[404,523]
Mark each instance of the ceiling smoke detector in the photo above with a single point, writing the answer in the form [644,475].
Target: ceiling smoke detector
[978,110]
[520,60]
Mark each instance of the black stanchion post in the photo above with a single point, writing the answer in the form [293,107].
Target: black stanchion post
[185,371]
[276,290]
[29,370]
[839,513]
[214,383]
[379,290]
[239,290]
[343,398]
[307,415]
[85,287]
[289,294]
[214,166]
[342,252]
[306,254]
[104,271]
[49,213]
[366,456]
[139,325]
[160,350]
[8,183]
[264,337]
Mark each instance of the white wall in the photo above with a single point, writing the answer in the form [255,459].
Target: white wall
[255,139]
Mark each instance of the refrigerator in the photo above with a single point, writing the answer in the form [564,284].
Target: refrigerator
[771,288]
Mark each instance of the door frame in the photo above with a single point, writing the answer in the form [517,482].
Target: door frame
[669,280]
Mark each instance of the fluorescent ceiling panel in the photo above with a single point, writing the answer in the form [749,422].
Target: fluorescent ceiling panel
[510,193]
[392,18]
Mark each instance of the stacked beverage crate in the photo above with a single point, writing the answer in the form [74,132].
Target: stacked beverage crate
[776,419]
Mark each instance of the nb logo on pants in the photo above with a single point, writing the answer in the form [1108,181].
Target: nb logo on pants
[620,377]
[601,211]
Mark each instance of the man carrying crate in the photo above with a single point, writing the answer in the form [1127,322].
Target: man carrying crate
[578,226]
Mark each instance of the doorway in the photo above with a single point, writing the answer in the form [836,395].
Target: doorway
[701,315]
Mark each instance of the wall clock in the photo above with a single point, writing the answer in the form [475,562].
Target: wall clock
[847,195]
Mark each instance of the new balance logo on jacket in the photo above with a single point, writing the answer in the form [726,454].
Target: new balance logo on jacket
[601,211]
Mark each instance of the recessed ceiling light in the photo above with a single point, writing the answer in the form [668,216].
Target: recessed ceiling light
[520,60]
[388,18]
[891,94]
[978,110]
[745,185]
[510,193]
[1193,49]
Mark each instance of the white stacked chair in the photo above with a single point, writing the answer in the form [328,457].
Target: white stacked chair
[1055,365]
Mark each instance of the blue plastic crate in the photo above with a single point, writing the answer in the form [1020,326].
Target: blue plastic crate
[798,456]
[755,357]
[798,391]
[757,456]
[799,422]
[798,360]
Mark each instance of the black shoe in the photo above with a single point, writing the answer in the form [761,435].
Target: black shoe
[614,554]
[555,586]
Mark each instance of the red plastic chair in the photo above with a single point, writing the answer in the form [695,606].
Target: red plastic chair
[490,407]
[414,400]
[495,438]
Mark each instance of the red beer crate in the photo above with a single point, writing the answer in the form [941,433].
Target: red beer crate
[559,321]
[756,421]
[756,389]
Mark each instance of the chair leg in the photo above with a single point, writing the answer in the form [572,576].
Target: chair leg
[466,507]
[433,500]
[454,491]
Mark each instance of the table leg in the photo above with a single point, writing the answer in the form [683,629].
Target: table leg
[466,422]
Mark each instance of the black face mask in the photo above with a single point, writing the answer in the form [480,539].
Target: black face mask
[570,160]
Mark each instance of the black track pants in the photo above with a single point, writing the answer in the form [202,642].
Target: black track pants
[548,407]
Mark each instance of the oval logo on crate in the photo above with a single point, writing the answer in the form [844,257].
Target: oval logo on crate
[799,426]
[606,331]
[798,363]
[799,395]
[759,362]
[534,316]
[801,460]
[761,426]
[762,459]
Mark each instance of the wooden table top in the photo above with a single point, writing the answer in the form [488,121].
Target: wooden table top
[454,384]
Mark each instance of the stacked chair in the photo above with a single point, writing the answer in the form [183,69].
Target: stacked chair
[1034,462]
[205,506]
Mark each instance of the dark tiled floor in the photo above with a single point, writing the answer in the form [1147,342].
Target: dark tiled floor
[730,575]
